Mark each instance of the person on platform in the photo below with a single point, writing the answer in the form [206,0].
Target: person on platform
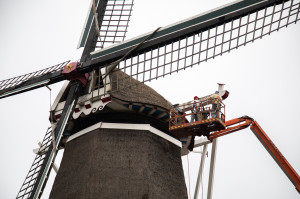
[216,100]
[195,107]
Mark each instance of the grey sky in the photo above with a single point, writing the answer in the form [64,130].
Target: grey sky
[262,78]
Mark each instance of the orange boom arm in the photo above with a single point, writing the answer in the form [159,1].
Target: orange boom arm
[243,122]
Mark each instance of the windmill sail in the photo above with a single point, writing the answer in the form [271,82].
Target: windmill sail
[113,18]
[27,188]
[193,41]
[32,80]
[200,38]
[38,174]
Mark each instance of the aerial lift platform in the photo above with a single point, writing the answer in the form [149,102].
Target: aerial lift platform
[197,118]
[187,121]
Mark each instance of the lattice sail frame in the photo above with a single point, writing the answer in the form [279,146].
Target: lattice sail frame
[177,54]
[27,187]
[115,22]
[206,44]
[15,81]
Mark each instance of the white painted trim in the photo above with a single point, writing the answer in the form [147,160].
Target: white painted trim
[106,125]
[25,87]
[162,115]
[201,142]
[58,97]
[152,111]
[141,109]
[85,23]
[201,14]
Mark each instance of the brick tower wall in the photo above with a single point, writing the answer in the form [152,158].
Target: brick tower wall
[113,163]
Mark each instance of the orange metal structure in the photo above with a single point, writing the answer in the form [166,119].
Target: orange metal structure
[210,120]
[206,118]
[243,122]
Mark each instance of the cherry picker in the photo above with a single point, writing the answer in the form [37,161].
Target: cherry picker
[210,122]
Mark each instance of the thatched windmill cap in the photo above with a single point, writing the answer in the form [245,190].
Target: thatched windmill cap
[125,88]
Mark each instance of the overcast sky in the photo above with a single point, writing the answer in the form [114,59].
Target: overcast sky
[262,78]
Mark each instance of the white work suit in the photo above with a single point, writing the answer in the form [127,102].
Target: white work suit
[216,100]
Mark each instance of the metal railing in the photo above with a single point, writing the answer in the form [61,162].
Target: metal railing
[197,111]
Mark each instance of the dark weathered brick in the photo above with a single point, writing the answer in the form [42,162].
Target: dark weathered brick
[110,163]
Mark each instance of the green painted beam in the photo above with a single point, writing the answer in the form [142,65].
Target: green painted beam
[87,26]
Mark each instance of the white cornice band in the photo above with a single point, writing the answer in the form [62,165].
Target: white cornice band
[145,127]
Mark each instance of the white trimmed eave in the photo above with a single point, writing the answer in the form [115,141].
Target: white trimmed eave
[59,96]
[125,126]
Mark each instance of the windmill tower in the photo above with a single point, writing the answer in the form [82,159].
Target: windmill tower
[121,142]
